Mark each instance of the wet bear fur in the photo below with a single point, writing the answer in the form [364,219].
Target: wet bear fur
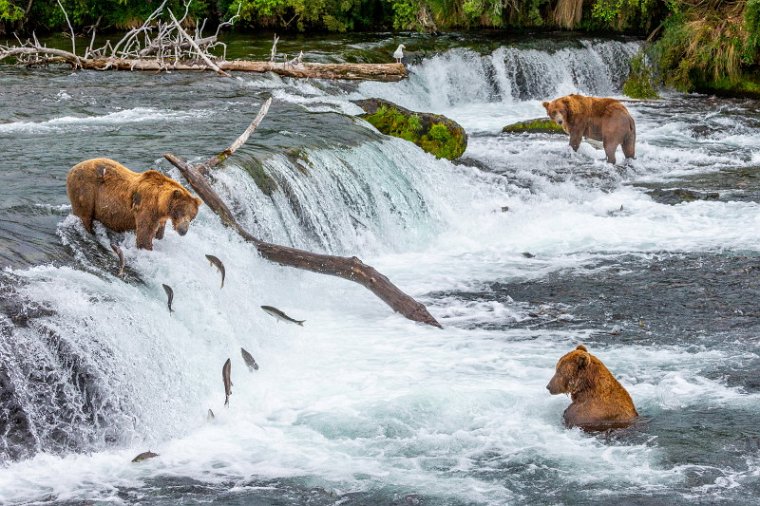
[599,401]
[599,119]
[122,200]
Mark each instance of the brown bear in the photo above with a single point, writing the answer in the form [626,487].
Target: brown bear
[598,119]
[105,190]
[599,401]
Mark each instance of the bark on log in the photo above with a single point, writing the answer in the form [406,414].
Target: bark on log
[350,268]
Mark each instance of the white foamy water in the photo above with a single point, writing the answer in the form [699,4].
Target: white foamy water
[360,400]
[135,115]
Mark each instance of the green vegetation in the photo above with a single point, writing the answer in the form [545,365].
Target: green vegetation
[707,43]
[535,126]
[263,180]
[640,82]
[435,134]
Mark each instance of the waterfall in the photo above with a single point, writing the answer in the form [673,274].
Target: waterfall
[509,74]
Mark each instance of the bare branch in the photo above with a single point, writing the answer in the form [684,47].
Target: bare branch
[195,46]
[274,48]
[71,30]
[223,155]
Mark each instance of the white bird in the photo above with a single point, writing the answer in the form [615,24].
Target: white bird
[398,54]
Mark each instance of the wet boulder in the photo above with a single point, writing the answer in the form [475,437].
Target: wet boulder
[436,134]
[534,126]
[680,195]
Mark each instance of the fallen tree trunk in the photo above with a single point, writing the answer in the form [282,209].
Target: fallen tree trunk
[350,268]
[351,71]
[366,71]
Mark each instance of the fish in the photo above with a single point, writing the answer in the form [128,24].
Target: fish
[116,249]
[219,265]
[170,294]
[145,456]
[227,382]
[249,361]
[210,415]
[528,255]
[273,311]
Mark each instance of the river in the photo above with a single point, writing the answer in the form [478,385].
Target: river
[361,406]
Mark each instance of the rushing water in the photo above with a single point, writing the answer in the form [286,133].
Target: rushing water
[361,406]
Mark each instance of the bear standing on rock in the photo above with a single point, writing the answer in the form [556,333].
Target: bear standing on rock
[600,119]
[599,400]
[104,190]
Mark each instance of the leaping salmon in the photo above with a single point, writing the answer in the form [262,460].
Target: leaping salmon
[273,311]
[219,265]
[227,382]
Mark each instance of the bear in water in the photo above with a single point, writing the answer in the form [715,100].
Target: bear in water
[599,401]
[599,119]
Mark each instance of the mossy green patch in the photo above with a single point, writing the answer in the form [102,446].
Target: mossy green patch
[435,134]
[263,180]
[747,85]
[534,126]
[640,82]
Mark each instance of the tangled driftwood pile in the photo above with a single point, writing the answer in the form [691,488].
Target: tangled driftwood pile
[162,43]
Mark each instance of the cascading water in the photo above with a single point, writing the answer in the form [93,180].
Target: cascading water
[360,405]
[461,77]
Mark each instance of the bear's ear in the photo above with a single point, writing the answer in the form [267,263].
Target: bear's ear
[581,347]
[198,201]
[546,105]
[136,200]
[583,360]
[177,194]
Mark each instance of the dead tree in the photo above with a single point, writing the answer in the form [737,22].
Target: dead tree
[159,45]
[350,268]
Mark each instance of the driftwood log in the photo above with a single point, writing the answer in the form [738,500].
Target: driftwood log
[389,72]
[350,268]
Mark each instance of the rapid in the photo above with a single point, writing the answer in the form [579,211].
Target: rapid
[361,406]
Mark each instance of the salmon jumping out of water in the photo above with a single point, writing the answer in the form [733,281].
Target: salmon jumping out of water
[273,311]
[119,253]
[219,265]
[249,360]
[227,382]
[145,456]
[170,296]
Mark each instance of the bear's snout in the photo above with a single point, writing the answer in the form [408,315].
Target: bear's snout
[553,386]
[182,228]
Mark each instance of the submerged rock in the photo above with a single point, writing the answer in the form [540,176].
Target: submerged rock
[534,126]
[436,134]
[680,195]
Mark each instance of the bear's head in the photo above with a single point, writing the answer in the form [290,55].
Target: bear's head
[560,112]
[183,208]
[572,373]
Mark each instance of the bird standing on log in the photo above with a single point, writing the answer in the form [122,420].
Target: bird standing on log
[398,54]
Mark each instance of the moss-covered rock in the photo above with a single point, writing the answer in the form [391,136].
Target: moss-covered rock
[258,173]
[534,126]
[436,134]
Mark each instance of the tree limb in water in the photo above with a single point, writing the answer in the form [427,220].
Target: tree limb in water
[223,155]
[350,268]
